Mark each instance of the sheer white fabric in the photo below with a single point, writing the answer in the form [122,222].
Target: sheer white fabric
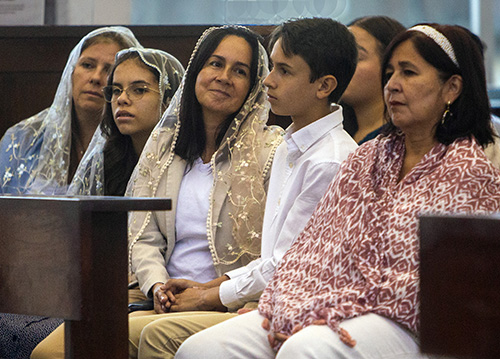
[236,165]
[89,177]
[35,153]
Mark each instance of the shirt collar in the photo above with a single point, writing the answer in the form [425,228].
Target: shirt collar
[304,138]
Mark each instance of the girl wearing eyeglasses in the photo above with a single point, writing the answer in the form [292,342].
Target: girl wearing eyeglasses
[140,87]
[41,154]
[211,153]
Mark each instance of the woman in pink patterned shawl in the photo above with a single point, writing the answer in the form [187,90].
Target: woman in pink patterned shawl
[349,286]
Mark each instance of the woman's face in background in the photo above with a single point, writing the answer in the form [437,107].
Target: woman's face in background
[365,87]
[90,76]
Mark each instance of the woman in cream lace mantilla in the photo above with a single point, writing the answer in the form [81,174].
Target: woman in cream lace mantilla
[40,154]
[239,166]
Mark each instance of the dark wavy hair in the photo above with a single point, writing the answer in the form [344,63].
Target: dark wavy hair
[326,45]
[471,111]
[192,140]
[120,157]
[382,28]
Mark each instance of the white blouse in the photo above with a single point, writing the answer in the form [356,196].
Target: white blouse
[191,258]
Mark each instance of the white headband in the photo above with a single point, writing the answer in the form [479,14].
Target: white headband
[439,39]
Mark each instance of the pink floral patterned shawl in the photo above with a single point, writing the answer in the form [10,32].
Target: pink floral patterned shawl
[359,252]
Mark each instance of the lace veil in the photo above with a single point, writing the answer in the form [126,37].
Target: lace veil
[36,156]
[89,177]
[236,168]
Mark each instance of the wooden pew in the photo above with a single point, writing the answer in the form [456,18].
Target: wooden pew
[460,286]
[67,258]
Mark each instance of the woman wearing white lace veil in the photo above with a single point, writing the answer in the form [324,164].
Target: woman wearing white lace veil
[235,158]
[41,154]
[140,86]
[230,166]
[117,144]
[38,154]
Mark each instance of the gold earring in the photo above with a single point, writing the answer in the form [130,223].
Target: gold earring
[447,113]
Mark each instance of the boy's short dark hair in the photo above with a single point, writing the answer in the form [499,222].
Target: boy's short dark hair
[327,46]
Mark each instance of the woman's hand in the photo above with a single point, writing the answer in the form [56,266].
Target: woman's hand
[161,299]
[176,286]
[245,310]
[164,295]
[197,298]
[276,339]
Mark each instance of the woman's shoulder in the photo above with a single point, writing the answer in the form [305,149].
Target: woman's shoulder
[162,135]
[380,144]
[273,134]
[475,173]
[470,157]
[492,152]
[166,128]
[32,124]
[467,149]
[373,159]
[25,136]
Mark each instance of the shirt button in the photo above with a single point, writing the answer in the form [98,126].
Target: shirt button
[290,164]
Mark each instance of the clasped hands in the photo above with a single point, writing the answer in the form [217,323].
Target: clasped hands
[177,295]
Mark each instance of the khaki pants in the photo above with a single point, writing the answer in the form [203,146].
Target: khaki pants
[160,335]
[151,335]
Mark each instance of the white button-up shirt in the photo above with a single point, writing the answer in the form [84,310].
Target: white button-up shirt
[303,167]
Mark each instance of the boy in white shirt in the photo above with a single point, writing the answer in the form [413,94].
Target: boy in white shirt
[313,62]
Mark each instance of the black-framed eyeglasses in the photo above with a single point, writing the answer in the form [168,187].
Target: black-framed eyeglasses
[134,92]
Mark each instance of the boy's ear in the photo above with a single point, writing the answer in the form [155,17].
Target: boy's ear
[327,84]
